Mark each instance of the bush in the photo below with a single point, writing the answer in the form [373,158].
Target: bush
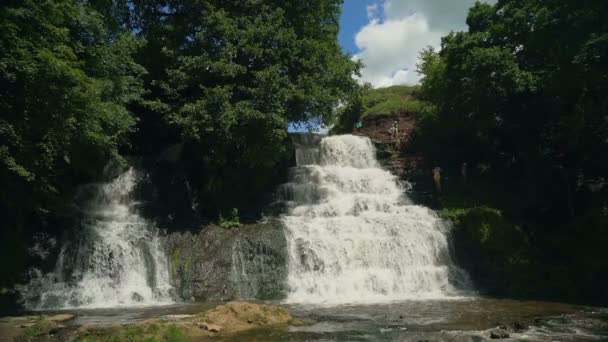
[496,252]
[230,221]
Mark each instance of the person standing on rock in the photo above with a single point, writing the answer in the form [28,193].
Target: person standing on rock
[395,130]
[437,178]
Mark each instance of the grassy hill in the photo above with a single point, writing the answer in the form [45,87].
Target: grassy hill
[373,103]
[400,99]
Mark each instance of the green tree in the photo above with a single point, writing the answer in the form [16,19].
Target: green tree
[228,77]
[520,94]
[65,81]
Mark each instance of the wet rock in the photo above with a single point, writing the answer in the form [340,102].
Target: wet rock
[220,264]
[17,319]
[137,297]
[211,327]
[474,338]
[519,326]
[61,318]
[498,333]
[86,329]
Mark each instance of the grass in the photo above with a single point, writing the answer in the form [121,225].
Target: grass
[138,333]
[395,100]
[392,100]
[38,332]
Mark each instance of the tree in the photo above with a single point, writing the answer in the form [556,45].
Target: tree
[228,77]
[521,93]
[65,81]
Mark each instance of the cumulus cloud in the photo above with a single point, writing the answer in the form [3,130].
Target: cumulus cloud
[398,30]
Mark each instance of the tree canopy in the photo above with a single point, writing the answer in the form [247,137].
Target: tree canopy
[522,94]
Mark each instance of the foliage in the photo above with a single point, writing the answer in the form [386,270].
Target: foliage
[230,221]
[369,102]
[39,331]
[518,96]
[228,77]
[392,100]
[85,83]
[146,332]
[65,83]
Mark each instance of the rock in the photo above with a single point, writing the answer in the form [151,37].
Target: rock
[61,318]
[18,319]
[498,333]
[519,326]
[236,316]
[54,330]
[86,329]
[203,265]
[27,325]
[137,297]
[211,327]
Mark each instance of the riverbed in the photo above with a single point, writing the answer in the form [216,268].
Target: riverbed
[462,319]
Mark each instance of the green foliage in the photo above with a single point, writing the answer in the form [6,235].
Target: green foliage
[228,77]
[488,228]
[369,102]
[39,331]
[497,252]
[148,332]
[392,100]
[231,220]
[65,83]
[83,83]
[517,98]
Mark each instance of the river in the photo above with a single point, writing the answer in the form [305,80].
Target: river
[464,319]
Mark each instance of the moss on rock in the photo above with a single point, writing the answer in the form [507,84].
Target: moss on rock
[238,316]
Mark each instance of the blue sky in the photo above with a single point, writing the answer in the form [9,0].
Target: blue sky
[354,17]
[387,35]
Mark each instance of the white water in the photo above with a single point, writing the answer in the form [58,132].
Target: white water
[353,236]
[118,260]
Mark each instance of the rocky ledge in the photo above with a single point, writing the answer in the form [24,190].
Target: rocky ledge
[219,264]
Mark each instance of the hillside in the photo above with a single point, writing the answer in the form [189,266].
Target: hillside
[378,109]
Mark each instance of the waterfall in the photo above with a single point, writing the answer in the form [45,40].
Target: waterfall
[117,260]
[352,234]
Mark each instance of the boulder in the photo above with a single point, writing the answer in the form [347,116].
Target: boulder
[237,316]
[211,327]
[498,333]
[61,318]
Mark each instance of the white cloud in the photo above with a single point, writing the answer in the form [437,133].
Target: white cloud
[398,30]
[372,11]
[389,49]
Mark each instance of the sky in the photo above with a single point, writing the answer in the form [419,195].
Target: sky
[387,35]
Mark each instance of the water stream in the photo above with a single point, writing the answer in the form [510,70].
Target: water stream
[352,234]
[117,259]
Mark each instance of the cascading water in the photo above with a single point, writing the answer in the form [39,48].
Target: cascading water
[353,236]
[117,261]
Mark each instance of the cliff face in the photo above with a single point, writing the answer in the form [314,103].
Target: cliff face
[397,155]
[222,264]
